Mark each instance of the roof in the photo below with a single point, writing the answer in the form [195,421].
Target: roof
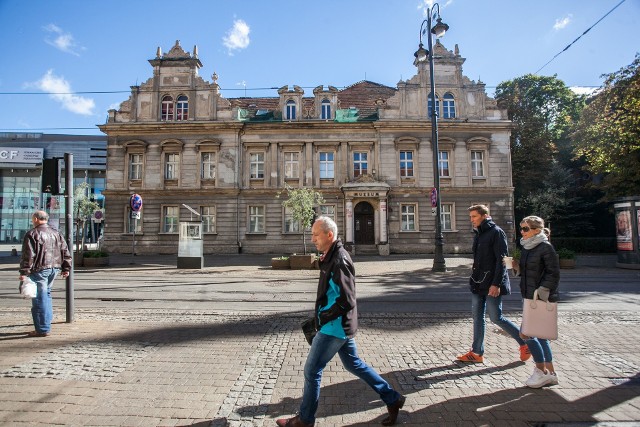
[361,95]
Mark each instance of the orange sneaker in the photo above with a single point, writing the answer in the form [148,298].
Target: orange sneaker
[471,357]
[525,353]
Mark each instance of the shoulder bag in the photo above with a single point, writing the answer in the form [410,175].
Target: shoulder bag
[539,318]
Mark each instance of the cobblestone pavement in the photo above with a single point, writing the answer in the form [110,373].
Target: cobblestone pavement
[220,369]
[129,364]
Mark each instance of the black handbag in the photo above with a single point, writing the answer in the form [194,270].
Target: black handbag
[309,329]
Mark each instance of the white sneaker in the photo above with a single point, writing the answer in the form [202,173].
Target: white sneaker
[553,378]
[538,379]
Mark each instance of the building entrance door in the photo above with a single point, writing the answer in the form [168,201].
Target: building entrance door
[364,224]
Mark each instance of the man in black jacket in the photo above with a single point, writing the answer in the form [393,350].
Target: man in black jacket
[488,282]
[44,254]
[337,321]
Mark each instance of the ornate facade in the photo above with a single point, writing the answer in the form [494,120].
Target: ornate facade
[367,148]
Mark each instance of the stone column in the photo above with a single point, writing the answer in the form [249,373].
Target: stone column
[383,221]
[349,220]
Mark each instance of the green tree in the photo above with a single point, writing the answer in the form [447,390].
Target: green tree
[301,202]
[608,133]
[83,207]
[544,112]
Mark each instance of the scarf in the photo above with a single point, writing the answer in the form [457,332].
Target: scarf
[534,241]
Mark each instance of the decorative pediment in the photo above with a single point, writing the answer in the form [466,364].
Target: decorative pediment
[176,52]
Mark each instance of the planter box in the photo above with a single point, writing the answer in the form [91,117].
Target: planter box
[77,259]
[280,264]
[567,263]
[95,262]
[302,262]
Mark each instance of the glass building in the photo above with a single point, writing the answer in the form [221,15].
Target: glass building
[21,156]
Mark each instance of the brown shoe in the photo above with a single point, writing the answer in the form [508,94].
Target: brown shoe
[38,334]
[292,422]
[393,410]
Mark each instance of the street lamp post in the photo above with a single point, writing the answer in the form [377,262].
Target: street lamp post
[422,55]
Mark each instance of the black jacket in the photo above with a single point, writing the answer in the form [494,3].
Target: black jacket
[336,266]
[539,266]
[42,248]
[489,246]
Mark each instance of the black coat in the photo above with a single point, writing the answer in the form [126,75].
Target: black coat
[489,246]
[539,266]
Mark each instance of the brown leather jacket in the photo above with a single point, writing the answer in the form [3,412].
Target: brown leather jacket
[42,248]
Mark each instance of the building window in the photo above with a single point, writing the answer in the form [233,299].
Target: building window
[446,216]
[171,166]
[443,164]
[291,165]
[208,166]
[167,108]
[290,112]
[359,164]
[135,166]
[182,108]
[328,210]
[170,215]
[477,164]
[256,165]
[430,104]
[129,222]
[448,106]
[408,217]
[290,224]
[208,217]
[406,164]
[326,166]
[256,219]
[325,110]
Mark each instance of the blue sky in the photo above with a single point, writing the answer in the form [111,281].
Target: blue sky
[92,52]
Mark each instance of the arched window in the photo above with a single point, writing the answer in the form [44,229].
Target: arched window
[290,113]
[167,108]
[182,108]
[326,110]
[430,103]
[448,106]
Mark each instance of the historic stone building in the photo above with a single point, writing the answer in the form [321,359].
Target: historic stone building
[367,148]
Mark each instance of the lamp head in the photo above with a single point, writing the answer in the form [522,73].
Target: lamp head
[440,28]
[421,54]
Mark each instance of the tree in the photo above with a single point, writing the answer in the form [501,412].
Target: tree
[301,202]
[83,208]
[608,133]
[544,111]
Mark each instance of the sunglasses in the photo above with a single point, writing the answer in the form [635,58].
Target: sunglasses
[526,229]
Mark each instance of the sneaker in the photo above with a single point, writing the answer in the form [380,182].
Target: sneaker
[538,379]
[471,357]
[525,353]
[553,378]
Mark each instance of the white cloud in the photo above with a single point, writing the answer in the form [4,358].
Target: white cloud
[583,90]
[60,90]
[562,23]
[424,4]
[61,40]
[237,37]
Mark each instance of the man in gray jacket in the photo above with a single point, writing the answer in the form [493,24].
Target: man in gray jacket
[44,254]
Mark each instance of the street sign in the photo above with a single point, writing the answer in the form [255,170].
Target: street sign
[434,197]
[135,202]
[135,214]
[98,216]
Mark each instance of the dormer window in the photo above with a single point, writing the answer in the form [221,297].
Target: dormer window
[448,106]
[167,108]
[325,109]
[182,108]
[430,103]
[290,113]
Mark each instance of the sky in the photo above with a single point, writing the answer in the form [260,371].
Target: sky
[65,63]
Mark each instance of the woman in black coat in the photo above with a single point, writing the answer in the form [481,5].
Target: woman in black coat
[539,269]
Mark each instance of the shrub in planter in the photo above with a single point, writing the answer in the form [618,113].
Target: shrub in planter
[95,258]
[567,258]
[280,263]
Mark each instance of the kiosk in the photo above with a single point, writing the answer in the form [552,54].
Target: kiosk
[190,245]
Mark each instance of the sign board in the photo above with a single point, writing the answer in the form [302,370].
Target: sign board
[135,214]
[135,202]
[21,155]
[434,197]
[98,216]
[433,211]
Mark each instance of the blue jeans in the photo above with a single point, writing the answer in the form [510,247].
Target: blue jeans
[323,348]
[493,305]
[41,305]
[540,350]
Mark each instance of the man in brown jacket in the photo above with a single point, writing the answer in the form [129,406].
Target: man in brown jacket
[44,255]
